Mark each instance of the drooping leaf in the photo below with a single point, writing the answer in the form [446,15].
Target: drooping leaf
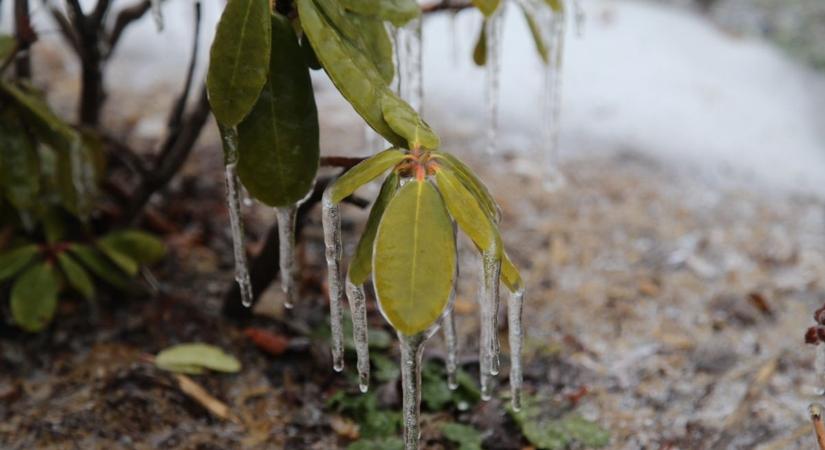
[487,7]
[397,12]
[19,168]
[353,74]
[466,436]
[50,128]
[414,259]
[480,49]
[34,297]
[99,266]
[194,357]
[474,184]
[535,31]
[239,59]
[510,275]
[361,265]
[139,246]
[556,5]
[406,122]
[76,275]
[467,211]
[364,172]
[278,140]
[14,260]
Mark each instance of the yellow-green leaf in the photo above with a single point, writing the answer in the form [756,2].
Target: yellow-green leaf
[140,246]
[77,276]
[239,59]
[510,275]
[193,357]
[14,260]
[535,31]
[487,7]
[100,266]
[361,265]
[278,140]
[556,5]
[398,12]
[406,122]
[34,297]
[364,172]
[414,258]
[480,49]
[467,211]
[474,184]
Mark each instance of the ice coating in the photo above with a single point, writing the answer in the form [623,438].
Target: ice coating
[515,337]
[331,220]
[286,217]
[488,300]
[360,332]
[233,202]
[412,348]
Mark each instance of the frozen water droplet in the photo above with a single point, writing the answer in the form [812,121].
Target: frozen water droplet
[286,253]
[331,220]
[230,144]
[360,333]
[515,337]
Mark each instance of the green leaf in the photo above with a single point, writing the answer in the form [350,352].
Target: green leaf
[239,59]
[193,357]
[50,128]
[480,49]
[278,140]
[19,166]
[101,267]
[14,260]
[363,408]
[384,369]
[367,35]
[510,275]
[435,393]
[474,184]
[34,297]
[465,208]
[535,31]
[76,177]
[414,258]
[7,45]
[397,12]
[547,426]
[77,276]
[364,172]
[466,436]
[310,58]
[487,7]
[382,443]
[352,72]
[406,122]
[556,5]
[361,265]
[138,246]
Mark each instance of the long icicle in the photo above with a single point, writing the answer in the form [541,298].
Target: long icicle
[451,341]
[515,336]
[491,269]
[409,41]
[551,100]
[286,253]
[331,220]
[493,70]
[233,201]
[360,332]
[412,348]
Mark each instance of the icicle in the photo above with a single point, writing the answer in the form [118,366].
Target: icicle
[448,327]
[454,47]
[579,16]
[157,14]
[409,70]
[412,347]
[488,347]
[493,68]
[515,337]
[286,253]
[331,220]
[230,146]
[358,310]
[551,102]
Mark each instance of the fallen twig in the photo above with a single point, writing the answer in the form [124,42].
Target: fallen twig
[815,410]
[196,392]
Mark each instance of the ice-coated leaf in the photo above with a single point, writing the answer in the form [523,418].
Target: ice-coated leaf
[239,59]
[76,275]
[19,167]
[487,7]
[397,12]
[480,49]
[469,179]
[352,72]
[364,172]
[14,260]
[556,5]
[535,31]
[414,258]
[361,265]
[34,297]
[406,122]
[278,140]
[510,275]
[99,266]
[193,357]
[131,248]
[467,211]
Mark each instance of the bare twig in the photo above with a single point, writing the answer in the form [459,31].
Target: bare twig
[196,392]
[176,114]
[25,35]
[65,28]
[125,18]
[815,410]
